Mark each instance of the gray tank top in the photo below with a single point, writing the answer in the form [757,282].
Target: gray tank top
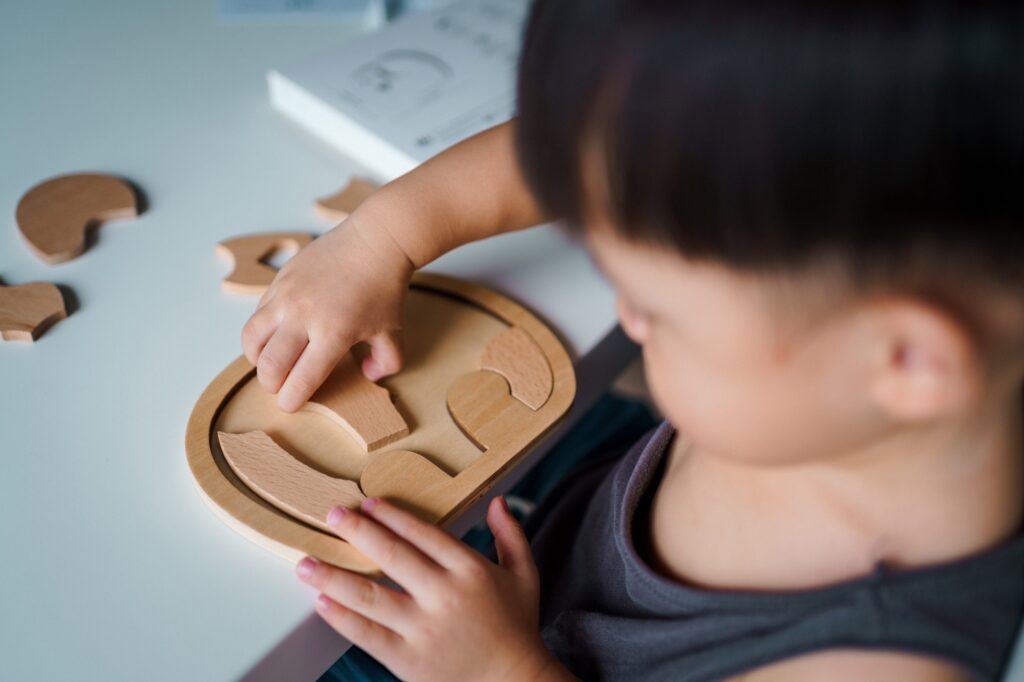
[608,616]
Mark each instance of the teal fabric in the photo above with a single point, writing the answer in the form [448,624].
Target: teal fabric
[613,424]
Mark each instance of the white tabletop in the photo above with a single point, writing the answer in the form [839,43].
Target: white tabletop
[112,567]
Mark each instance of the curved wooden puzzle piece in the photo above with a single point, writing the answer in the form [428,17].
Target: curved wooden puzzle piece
[339,205]
[55,215]
[250,275]
[359,406]
[481,405]
[27,310]
[411,481]
[285,482]
[518,358]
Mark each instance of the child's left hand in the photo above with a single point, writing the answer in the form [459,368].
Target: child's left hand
[461,616]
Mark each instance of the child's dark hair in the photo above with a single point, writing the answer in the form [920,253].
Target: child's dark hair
[766,134]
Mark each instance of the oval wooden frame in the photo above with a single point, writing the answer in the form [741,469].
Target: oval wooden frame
[290,538]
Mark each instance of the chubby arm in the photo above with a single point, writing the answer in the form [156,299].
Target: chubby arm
[349,285]
[469,192]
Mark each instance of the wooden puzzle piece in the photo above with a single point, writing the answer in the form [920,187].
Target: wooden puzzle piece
[27,310]
[453,322]
[285,482]
[359,406]
[250,274]
[481,405]
[339,205]
[518,358]
[55,215]
[411,481]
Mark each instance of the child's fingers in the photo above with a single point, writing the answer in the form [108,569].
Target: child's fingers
[385,356]
[426,537]
[398,559]
[309,372]
[255,334]
[268,295]
[376,640]
[367,598]
[279,355]
[510,541]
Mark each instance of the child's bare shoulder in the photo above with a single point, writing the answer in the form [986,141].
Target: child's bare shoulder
[849,665]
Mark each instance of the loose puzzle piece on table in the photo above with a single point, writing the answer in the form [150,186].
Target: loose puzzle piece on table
[55,215]
[342,203]
[248,253]
[27,310]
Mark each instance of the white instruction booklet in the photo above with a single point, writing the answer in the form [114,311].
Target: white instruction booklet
[394,98]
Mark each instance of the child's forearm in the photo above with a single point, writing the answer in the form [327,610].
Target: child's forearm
[349,285]
[471,191]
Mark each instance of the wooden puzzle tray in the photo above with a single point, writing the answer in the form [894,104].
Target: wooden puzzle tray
[483,380]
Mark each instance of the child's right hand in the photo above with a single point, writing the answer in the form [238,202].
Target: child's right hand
[347,286]
[350,285]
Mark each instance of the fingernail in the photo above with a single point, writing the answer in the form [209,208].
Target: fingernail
[322,603]
[504,504]
[372,370]
[369,504]
[335,516]
[305,568]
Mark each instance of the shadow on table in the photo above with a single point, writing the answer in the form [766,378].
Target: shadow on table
[305,654]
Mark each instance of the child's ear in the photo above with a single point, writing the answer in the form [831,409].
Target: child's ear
[633,322]
[927,365]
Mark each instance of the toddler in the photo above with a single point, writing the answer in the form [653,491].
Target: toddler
[811,213]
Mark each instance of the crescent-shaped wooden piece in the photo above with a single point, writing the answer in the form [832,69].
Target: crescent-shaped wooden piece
[339,205]
[27,310]
[449,323]
[250,275]
[285,482]
[359,406]
[55,215]
[518,358]
[481,405]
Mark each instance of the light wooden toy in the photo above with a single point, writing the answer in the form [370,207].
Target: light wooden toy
[515,356]
[481,406]
[27,310]
[55,215]
[285,482]
[339,205]
[359,406]
[250,273]
[273,476]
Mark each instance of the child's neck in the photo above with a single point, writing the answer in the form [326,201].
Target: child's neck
[916,498]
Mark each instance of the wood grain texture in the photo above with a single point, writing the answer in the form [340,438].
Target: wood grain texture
[515,356]
[359,406]
[27,310]
[247,253]
[447,324]
[443,340]
[411,481]
[283,481]
[340,205]
[240,507]
[55,215]
[483,408]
